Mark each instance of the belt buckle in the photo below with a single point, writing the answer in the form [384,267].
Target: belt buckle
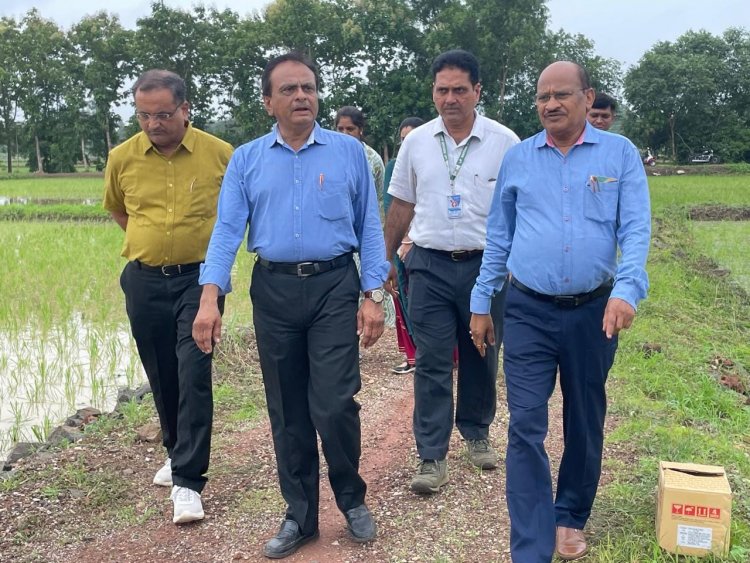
[301,265]
[457,255]
[566,301]
[165,272]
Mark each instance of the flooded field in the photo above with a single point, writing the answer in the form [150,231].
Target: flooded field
[64,335]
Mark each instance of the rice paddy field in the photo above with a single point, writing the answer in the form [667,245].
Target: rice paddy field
[64,335]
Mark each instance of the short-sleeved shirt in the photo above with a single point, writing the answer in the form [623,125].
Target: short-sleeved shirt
[170,201]
[421,176]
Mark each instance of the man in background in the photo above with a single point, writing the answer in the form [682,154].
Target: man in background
[603,111]
[442,188]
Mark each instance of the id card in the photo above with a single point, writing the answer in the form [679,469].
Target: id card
[454,206]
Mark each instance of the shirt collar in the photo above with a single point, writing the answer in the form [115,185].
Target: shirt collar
[477,129]
[590,134]
[188,141]
[317,136]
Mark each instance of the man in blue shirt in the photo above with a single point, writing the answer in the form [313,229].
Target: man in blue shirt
[307,198]
[566,200]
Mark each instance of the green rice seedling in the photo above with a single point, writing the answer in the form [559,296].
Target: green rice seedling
[54,187]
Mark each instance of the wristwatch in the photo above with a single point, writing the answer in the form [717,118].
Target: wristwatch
[376,295]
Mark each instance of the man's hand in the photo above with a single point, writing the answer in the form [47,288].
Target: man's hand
[391,284]
[617,316]
[482,332]
[207,323]
[370,322]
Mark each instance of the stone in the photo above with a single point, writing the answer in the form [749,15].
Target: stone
[150,432]
[83,416]
[126,395]
[64,434]
[19,451]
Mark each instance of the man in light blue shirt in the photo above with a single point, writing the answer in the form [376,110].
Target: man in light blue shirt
[307,199]
[566,200]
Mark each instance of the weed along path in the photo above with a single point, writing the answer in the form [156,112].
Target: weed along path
[93,501]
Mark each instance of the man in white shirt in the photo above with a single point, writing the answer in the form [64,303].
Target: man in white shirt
[442,186]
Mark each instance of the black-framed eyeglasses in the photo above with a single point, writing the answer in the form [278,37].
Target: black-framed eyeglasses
[159,116]
[559,96]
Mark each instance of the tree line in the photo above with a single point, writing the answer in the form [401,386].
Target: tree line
[60,89]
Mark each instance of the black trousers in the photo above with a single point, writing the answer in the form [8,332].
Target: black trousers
[306,330]
[161,310]
[439,308]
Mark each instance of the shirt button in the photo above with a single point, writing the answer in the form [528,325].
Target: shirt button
[296,207]
[566,218]
[170,185]
[296,235]
[565,189]
[168,233]
[566,280]
[169,210]
[567,248]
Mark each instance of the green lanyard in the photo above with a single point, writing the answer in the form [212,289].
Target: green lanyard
[459,162]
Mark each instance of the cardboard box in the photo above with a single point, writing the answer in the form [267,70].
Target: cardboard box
[694,513]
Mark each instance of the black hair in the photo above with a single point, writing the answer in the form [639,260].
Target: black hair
[293,56]
[355,114]
[457,58]
[157,78]
[604,101]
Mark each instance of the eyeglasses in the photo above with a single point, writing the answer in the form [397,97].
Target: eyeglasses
[160,116]
[559,96]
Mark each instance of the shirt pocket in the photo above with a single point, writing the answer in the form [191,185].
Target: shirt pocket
[334,203]
[600,202]
[201,197]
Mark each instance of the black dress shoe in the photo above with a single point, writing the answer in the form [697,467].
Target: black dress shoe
[360,524]
[287,541]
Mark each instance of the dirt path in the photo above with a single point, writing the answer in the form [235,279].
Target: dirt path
[465,522]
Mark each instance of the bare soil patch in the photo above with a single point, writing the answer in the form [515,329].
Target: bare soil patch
[719,213]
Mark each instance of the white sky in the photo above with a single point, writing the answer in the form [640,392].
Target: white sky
[622,30]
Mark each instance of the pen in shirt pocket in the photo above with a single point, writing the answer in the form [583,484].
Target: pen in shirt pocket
[321,178]
[192,184]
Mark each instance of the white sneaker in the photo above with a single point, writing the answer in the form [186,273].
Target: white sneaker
[187,505]
[163,477]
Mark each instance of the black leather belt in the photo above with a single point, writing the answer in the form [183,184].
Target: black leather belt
[564,300]
[456,255]
[304,269]
[170,270]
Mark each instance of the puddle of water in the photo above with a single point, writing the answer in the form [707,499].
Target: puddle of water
[46,375]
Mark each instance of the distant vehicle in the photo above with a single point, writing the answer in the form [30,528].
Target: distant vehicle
[649,159]
[706,156]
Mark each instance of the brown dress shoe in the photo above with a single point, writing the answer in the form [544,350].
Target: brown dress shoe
[570,543]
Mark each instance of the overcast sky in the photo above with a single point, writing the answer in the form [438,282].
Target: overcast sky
[622,30]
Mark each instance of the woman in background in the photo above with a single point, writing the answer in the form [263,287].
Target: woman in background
[400,301]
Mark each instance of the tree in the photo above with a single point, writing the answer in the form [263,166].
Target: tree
[9,82]
[692,93]
[44,79]
[102,47]
[185,43]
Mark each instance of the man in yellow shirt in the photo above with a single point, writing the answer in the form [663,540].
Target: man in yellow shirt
[161,187]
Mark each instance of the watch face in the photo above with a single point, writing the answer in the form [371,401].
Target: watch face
[377,295]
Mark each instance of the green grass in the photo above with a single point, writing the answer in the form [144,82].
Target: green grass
[53,212]
[71,187]
[670,191]
[670,405]
[718,239]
